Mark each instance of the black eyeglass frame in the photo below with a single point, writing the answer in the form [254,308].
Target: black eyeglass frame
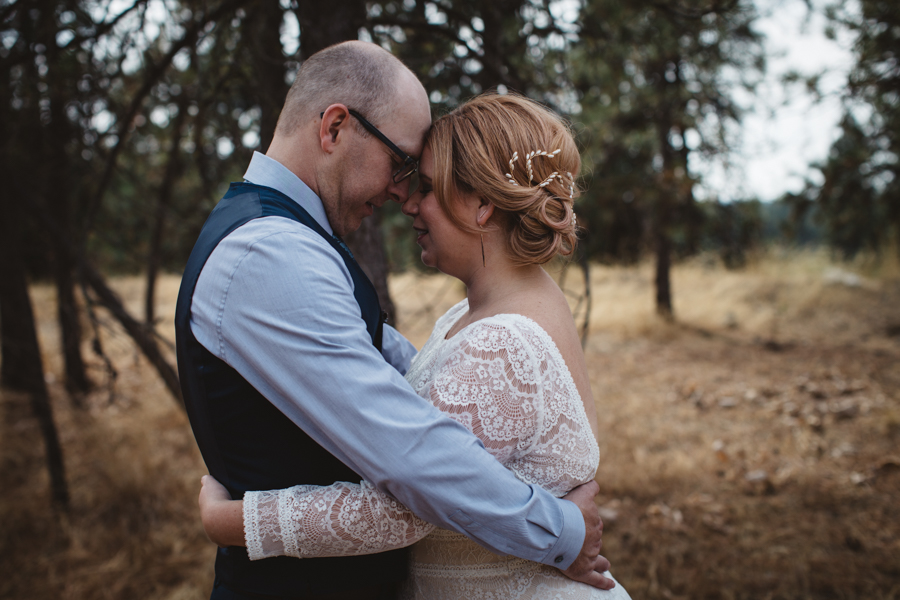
[406,159]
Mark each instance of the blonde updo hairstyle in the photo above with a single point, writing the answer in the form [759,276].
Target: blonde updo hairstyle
[472,148]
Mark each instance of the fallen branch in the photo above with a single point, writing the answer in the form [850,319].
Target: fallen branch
[142,336]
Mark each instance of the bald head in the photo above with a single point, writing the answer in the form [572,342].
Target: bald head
[360,75]
[335,156]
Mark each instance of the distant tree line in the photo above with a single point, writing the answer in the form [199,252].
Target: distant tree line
[857,202]
[121,124]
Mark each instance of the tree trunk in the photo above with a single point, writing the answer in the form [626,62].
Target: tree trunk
[268,65]
[663,267]
[322,25]
[668,197]
[496,16]
[23,367]
[56,190]
[77,381]
[43,411]
[153,261]
[588,299]
[173,170]
[15,322]
[367,245]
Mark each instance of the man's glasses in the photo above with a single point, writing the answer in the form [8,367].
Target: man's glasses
[408,165]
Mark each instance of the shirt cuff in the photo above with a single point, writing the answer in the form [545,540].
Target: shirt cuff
[570,542]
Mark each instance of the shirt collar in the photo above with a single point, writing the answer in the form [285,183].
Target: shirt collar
[268,172]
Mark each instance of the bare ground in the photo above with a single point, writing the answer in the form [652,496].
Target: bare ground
[749,449]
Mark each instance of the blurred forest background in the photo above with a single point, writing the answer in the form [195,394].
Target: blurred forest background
[745,352]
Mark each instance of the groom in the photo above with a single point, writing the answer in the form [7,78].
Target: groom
[290,375]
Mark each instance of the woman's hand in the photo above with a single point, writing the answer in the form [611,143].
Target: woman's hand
[222,517]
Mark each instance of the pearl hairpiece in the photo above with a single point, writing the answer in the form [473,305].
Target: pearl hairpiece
[528,162]
[512,168]
[528,158]
[534,154]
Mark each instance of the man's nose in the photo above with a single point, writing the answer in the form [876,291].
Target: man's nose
[399,192]
[410,207]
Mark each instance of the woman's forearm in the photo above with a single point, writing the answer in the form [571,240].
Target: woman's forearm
[342,519]
[222,517]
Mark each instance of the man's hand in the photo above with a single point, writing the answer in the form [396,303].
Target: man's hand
[222,517]
[589,565]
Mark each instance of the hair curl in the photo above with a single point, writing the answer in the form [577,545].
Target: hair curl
[473,146]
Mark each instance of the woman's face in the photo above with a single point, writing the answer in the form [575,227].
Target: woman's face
[444,245]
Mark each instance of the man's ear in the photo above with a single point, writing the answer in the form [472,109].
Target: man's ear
[331,129]
[484,212]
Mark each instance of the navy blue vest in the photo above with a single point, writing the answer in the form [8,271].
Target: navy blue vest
[246,442]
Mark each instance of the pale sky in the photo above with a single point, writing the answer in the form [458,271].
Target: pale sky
[784,129]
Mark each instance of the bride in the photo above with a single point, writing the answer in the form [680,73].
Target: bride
[493,204]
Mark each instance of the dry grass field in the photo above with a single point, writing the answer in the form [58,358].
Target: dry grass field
[750,449]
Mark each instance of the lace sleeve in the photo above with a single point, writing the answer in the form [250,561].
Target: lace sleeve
[507,383]
[343,519]
[491,383]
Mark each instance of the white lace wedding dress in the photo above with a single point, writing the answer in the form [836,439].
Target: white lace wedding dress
[505,380]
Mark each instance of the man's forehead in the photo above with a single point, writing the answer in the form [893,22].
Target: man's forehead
[415,145]
[411,116]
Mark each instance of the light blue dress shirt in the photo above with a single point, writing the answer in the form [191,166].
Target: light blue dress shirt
[275,302]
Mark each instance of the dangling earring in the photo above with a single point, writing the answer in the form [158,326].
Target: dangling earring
[483,264]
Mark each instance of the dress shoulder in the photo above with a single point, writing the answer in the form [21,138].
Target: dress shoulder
[530,382]
[526,338]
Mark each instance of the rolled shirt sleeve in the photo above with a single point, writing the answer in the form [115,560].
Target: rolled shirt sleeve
[275,302]
[396,349]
